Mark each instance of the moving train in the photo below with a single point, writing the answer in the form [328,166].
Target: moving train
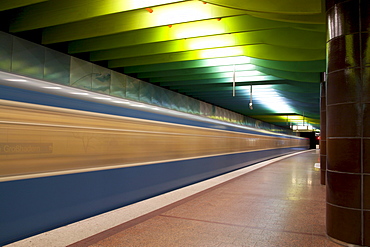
[65,159]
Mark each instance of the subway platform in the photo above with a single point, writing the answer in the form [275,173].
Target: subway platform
[279,202]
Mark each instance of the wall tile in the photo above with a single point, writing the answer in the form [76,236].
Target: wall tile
[323,147]
[146,92]
[343,52]
[195,106]
[367,228]
[323,103]
[118,84]
[331,3]
[343,189]
[344,155]
[57,67]
[366,154]
[323,161]
[341,20]
[365,52]
[366,119]
[205,109]
[101,79]
[344,120]
[323,129]
[166,102]
[343,224]
[28,58]
[183,103]
[366,84]
[365,16]
[132,88]
[157,95]
[344,86]
[323,177]
[174,100]
[367,192]
[81,74]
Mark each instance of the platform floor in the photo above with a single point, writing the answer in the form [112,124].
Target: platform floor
[281,204]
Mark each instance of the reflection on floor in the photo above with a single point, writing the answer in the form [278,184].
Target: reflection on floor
[282,204]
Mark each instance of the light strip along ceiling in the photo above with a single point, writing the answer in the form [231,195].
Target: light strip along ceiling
[193,47]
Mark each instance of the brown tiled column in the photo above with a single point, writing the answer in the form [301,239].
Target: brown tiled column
[348,121]
[323,132]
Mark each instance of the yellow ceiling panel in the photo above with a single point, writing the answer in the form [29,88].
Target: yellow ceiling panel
[56,12]
[137,19]
[280,37]
[272,6]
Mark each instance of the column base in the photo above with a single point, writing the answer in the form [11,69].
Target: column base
[344,243]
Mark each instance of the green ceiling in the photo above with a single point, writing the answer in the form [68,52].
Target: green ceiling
[197,48]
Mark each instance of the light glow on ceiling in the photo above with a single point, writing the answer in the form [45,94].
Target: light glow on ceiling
[210,42]
[255,78]
[270,98]
[198,29]
[184,12]
[225,61]
[239,74]
[221,52]
[229,68]
[146,3]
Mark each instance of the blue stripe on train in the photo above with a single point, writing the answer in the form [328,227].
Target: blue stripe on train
[32,206]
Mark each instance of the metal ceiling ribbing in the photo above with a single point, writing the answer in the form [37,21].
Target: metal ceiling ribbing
[190,46]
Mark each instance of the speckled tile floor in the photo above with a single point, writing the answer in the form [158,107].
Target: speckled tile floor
[282,204]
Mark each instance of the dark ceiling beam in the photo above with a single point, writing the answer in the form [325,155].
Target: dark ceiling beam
[6,5]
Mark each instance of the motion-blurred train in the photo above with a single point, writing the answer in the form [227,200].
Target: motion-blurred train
[65,159]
